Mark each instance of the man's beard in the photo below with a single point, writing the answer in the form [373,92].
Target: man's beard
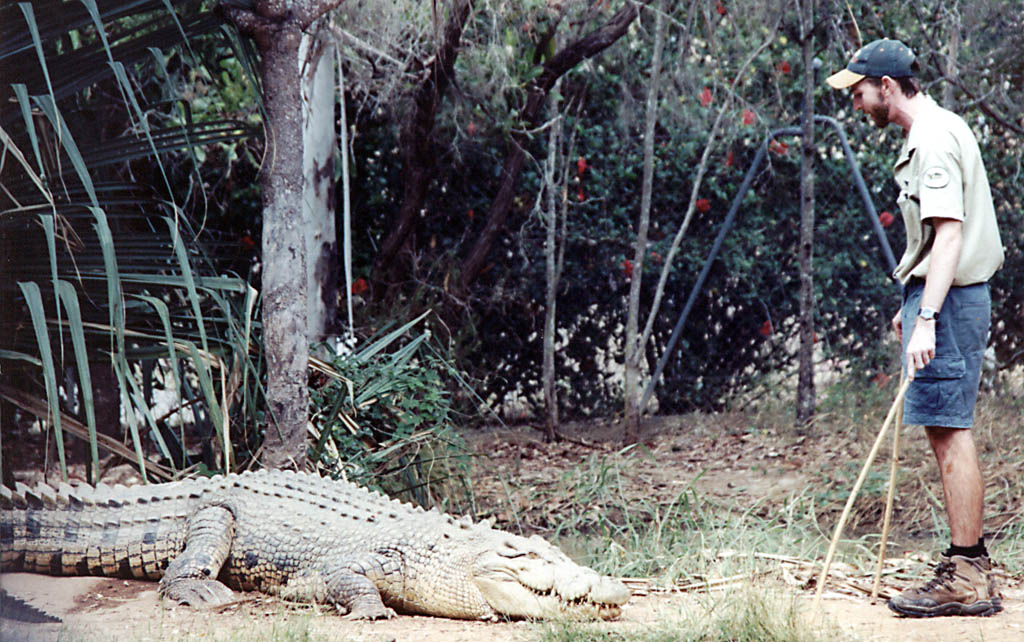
[880,114]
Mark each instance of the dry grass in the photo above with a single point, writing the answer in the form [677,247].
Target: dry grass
[748,481]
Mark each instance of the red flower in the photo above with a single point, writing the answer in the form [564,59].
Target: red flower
[705,97]
[247,242]
[748,117]
[767,328]
[779,147]
[729,161]
[627,268]
[470,214]
[783,67]
[581,166]
[881,379]
[579,194]
[720,8]
[886,219]
[703,205]
[359,286]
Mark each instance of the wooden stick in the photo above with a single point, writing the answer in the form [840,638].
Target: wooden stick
[856,489]
[886,521]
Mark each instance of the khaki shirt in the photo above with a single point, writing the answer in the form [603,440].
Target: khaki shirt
[941,175]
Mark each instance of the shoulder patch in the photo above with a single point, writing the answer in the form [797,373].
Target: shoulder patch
[935,177]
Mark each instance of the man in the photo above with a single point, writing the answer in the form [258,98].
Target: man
[953,248]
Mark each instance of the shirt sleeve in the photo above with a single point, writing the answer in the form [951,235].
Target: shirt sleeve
[940,179]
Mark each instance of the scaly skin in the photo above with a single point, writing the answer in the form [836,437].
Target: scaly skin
[301,537]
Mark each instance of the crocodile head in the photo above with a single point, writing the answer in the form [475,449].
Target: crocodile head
[522,577]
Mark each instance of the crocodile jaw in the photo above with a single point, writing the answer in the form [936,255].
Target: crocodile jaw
[530,578]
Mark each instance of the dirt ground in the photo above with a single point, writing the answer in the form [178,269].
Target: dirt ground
[728,463]
[105,609]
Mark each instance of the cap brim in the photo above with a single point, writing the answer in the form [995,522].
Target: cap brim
[843,79]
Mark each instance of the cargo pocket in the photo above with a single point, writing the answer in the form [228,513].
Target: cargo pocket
[943,367]
[937,393]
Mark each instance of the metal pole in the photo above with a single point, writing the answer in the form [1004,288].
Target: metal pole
[858,180]
[726,225]
[730,218]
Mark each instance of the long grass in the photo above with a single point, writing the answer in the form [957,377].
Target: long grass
[117,286]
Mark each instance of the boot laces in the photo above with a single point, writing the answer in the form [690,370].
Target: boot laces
[943,576]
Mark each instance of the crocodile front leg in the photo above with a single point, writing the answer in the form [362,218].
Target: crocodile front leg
[191,577]
[357,594]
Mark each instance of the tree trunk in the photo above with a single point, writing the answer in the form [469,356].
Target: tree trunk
[805,387]
[634,349]
[558,65]
[950,68]
[316,61]
[284,255]
[277,27]
[551,273]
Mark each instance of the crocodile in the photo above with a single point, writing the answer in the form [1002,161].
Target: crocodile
[301,537]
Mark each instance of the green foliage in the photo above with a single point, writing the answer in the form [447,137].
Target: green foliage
[384,417]
[160,110]
[98,228]
[743,325]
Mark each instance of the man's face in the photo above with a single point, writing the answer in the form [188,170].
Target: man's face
[869,98]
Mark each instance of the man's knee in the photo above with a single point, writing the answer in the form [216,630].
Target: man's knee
[950,442]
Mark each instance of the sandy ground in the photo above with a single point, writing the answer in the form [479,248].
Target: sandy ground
[106,609]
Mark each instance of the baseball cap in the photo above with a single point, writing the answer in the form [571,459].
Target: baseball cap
[876,59]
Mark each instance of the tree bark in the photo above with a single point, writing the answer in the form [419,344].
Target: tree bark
[634,349]
[950,67]
[564,60]
[551,274]
[316,60]
[417,140]
[805,387]
[277,27]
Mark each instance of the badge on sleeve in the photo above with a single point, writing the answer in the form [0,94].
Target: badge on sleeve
[936,177]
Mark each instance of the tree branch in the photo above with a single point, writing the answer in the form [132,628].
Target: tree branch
[564,60]
[259,19]
[417,137]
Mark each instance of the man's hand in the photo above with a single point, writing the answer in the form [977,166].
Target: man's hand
[921,347]
[897,325]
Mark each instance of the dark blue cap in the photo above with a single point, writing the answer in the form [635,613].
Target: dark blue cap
[880,58]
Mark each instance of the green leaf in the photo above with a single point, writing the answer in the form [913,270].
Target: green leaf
[13,355]
[35,305]
[69,298]
[190,283]
[67,141]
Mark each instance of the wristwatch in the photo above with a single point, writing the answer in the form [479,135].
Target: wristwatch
[929,314]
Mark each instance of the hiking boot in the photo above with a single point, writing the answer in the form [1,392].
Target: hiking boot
[961,586]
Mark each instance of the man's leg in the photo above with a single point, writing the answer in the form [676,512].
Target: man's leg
[963,582]
[961,482]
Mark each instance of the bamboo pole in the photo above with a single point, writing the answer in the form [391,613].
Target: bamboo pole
[856,489]
[889,497]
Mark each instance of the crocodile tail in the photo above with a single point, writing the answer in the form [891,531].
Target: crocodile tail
[85,531]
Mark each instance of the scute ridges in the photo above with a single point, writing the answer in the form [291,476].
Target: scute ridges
[338,496]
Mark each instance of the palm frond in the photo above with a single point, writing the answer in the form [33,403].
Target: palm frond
[100,267]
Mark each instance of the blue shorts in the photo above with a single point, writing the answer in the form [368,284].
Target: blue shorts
[944,392]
